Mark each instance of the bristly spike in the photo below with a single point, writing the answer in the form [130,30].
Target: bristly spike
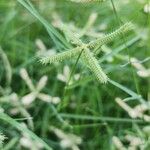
[61,56]
[109,37]
[94,66]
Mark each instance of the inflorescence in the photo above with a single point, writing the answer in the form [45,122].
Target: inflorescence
[87,50]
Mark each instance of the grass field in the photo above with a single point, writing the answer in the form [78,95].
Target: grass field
[74,75]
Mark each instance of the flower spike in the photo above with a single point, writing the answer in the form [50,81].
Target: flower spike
[87,56]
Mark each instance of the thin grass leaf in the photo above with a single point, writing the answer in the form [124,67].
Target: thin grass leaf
[50,29]
[24,130]
[116,84]
[125,89]
[70,36]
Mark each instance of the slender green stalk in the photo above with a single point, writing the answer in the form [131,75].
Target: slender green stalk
[50,29]
[109,37]
[7,66]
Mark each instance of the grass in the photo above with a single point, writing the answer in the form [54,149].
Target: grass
[88,115]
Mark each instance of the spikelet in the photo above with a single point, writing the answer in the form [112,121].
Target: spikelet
[109,37]
[61,56]
[94,66]
[2,138]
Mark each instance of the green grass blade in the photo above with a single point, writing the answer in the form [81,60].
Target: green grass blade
[96,118]
[50,29]
[18,126]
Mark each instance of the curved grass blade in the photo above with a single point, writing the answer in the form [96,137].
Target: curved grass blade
[96,118]
[18,126]
[50,29]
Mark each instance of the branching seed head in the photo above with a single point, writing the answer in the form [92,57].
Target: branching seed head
[90,61]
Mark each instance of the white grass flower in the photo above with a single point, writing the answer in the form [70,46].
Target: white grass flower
[64,77]
[48,98]
[24,75]
[135,141]
[126,107]
[136,112]
[67,140]
[27,142]
[29,98]
[141,70]
[146,130]
[35,91]
[10,98]
[142,107]
[40,45]
[1,110]
[117,143]
[42,83]
[147,8]
[42,49]
[2,138]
